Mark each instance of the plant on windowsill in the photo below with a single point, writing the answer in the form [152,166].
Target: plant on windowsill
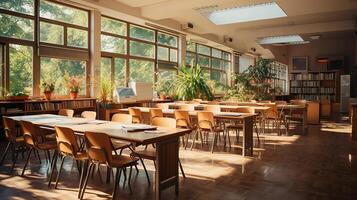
[48,88]
[190,84]
[106,92]
[17,96]
[73,86]
[163,87]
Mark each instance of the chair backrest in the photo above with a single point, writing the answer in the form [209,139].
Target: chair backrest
[183,118]
[246,109]
[99,147]
[188,107]
[163,106]
[205,120]
[135,114]
[212,108]
[30,132]
[155,112]
[89,115]
[66,141]
[164,122]
[124,118]
[66,112]
[301,102]
[273,112]
[9,128]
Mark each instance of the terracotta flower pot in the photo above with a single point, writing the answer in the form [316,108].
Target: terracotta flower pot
[162,97]
[73,95]
[48,95]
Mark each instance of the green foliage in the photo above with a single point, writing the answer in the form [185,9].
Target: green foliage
[163,85]
[106,90]
[253,83]
[73,83]
[190,84]
[47,87]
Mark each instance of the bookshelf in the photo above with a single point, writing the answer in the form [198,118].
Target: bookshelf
[315,86]
[44,106]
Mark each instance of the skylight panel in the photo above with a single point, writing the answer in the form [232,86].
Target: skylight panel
[246,13]
[281,39]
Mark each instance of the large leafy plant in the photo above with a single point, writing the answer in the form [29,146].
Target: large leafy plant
[190,84]
[253,83]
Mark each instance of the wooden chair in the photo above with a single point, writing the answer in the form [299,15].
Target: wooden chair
[207,124]
[34,140]
[150,154]
[123,118]
[187,107]
[119,144]
[276,119]
[89,115]
[99,150]
[155,112]
[183,120]
[136,115]
[15,142]
[68,147]
[66,112]
[163,106]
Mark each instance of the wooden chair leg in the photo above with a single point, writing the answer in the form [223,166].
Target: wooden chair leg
[146,172]
[86,180]
[194,139]
[115,183]
[53,166]
[59,171]
[27,161]
[83,172]
[131,168]
[181,168]
[214,142]
[5,153]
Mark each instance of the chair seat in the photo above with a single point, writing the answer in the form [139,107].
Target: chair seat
[81,155]
[47,145]
[119,144]
[149,154]
[123,161]
[50,137]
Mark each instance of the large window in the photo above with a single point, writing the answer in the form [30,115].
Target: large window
[132,52]
[216,64]
[59,71]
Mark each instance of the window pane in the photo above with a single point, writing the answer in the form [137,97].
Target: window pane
[21,6]
[167,65]
[141,71]
[77,38]
[173,55]
[163,53]
[216,53]
[167,74]
[58,71]
[203,61]
[113,44]
[226,56]
[105,69]
[191,46]
[204,50]
[166,39]
[119,71]
[142,49]
[63,13]
[113,26]
[226,65]
[220,80]
[190,59]
[142,33]
[216,63]
[16,27]
[51,33]
[21,62]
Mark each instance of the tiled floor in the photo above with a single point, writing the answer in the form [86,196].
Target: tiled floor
[319,165]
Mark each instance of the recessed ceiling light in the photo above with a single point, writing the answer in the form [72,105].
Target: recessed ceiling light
[246,13]
[281,39]
[315,37]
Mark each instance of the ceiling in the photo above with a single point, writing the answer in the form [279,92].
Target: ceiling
[304,17]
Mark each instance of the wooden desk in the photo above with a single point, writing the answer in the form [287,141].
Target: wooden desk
[247,119]
[167,142]
[354,121]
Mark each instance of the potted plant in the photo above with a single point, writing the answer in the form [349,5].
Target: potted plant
[190,84]
[73,85]
[163,87]
[48,88]
[106,90]
[17,96]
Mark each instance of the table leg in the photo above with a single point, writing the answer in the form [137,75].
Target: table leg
[167,158]
[248,136]
[304,121]
[354,123]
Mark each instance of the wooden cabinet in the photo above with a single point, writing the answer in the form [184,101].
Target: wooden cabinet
[313,112]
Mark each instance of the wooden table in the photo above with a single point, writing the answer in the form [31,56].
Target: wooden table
[166,140]
[354,121]
[247,120]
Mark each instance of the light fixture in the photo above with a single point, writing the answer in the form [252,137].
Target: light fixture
[246,13]
[281,39]
[315,37]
